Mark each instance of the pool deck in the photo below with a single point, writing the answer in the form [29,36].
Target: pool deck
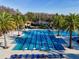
[7,52]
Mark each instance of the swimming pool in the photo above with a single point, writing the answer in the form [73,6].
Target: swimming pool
[39,40]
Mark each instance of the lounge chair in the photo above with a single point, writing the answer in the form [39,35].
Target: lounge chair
[26,56]
[20,56]
[56,56]
[37,56]
[52,56]
[33,56]
[13,56]
[49,56]
[42,56]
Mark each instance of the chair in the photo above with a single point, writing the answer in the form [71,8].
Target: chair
[37,56]
[49,56]
[20,56]
[56,56]
[13,56]
[42,56]
[26,56]
[32,56]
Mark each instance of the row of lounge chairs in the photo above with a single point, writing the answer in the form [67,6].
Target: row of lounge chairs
[37,56]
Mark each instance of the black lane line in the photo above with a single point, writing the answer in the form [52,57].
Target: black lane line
[46,41]
[53,43]
[41,40]
[26,39]
[36,40]
[31,39]
[24,43]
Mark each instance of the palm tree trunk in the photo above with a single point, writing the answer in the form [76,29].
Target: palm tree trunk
[78,34]
[58,29]
[18,29]
[58,33]
[5,42]
[70,42]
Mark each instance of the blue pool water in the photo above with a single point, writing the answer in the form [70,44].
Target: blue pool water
[40,40]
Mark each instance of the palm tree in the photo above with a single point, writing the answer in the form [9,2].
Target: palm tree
[71,25]
[77,24]
[24,18]
[57,22]
[6,24]
[30,16]
[18,19]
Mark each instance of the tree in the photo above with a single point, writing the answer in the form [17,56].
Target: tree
[18,19]
[57,22]
[77,23]
[30,16]
[71,24]
[6,24]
